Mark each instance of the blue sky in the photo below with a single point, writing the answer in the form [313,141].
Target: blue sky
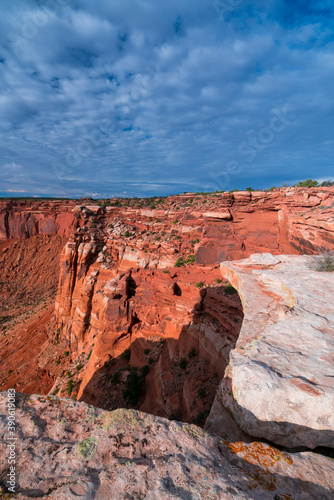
[144,98]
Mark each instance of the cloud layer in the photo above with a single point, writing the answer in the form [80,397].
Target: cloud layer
[135,97]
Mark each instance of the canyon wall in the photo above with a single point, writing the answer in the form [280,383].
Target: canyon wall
[23,219]
[119,289]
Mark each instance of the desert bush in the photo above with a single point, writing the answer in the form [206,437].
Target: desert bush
[230,289]
[69,388]
[192,353]
[308,183]
[324,262]
[115,378]
[199,284]
[126,354]
[133,387]
[183,363]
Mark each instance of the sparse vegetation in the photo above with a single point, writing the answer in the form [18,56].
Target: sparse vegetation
[192,353]
[133,387]
[230,289]
[126,354]
[115,378]
[184,262]
[324,262]
[179,262]
[183,363]
[200,284]
[308,183]
[66,353]
[69,388]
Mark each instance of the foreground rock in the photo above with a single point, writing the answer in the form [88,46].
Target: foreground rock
[279,382]
[67,450]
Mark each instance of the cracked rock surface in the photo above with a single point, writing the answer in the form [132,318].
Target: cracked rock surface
[67,450]
[279,382]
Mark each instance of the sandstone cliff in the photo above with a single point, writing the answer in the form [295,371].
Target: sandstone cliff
[143,317]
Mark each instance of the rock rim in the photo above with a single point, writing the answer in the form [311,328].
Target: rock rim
[279,381]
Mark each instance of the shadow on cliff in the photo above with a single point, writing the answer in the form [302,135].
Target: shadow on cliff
[176,378]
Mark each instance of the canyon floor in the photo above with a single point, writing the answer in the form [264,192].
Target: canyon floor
[181,347]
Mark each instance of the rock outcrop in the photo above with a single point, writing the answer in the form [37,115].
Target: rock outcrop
[24,219]
[279,382]
[67,450]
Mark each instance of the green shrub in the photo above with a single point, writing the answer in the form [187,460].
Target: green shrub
[69,374]
[183,363]
[57,362]
[56,391]
[217,280]
[89,354]
[192,353]
[175,221]
[199,284]
[249,189]
[308,183]
[126,354]
[69,388]
[179,262]
[128,234]
[230,289]
[79,366]
[324,262]
[144,370]
[66,353]
[190,259]
[115,378]
[133,387]
[197,240]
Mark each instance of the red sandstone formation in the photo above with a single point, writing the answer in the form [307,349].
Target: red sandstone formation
[99,302]
[132,311]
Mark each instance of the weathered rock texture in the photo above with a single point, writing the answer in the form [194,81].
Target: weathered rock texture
[279,382]
[67,450]
[23,219]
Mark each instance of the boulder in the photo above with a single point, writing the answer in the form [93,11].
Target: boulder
[279,382]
